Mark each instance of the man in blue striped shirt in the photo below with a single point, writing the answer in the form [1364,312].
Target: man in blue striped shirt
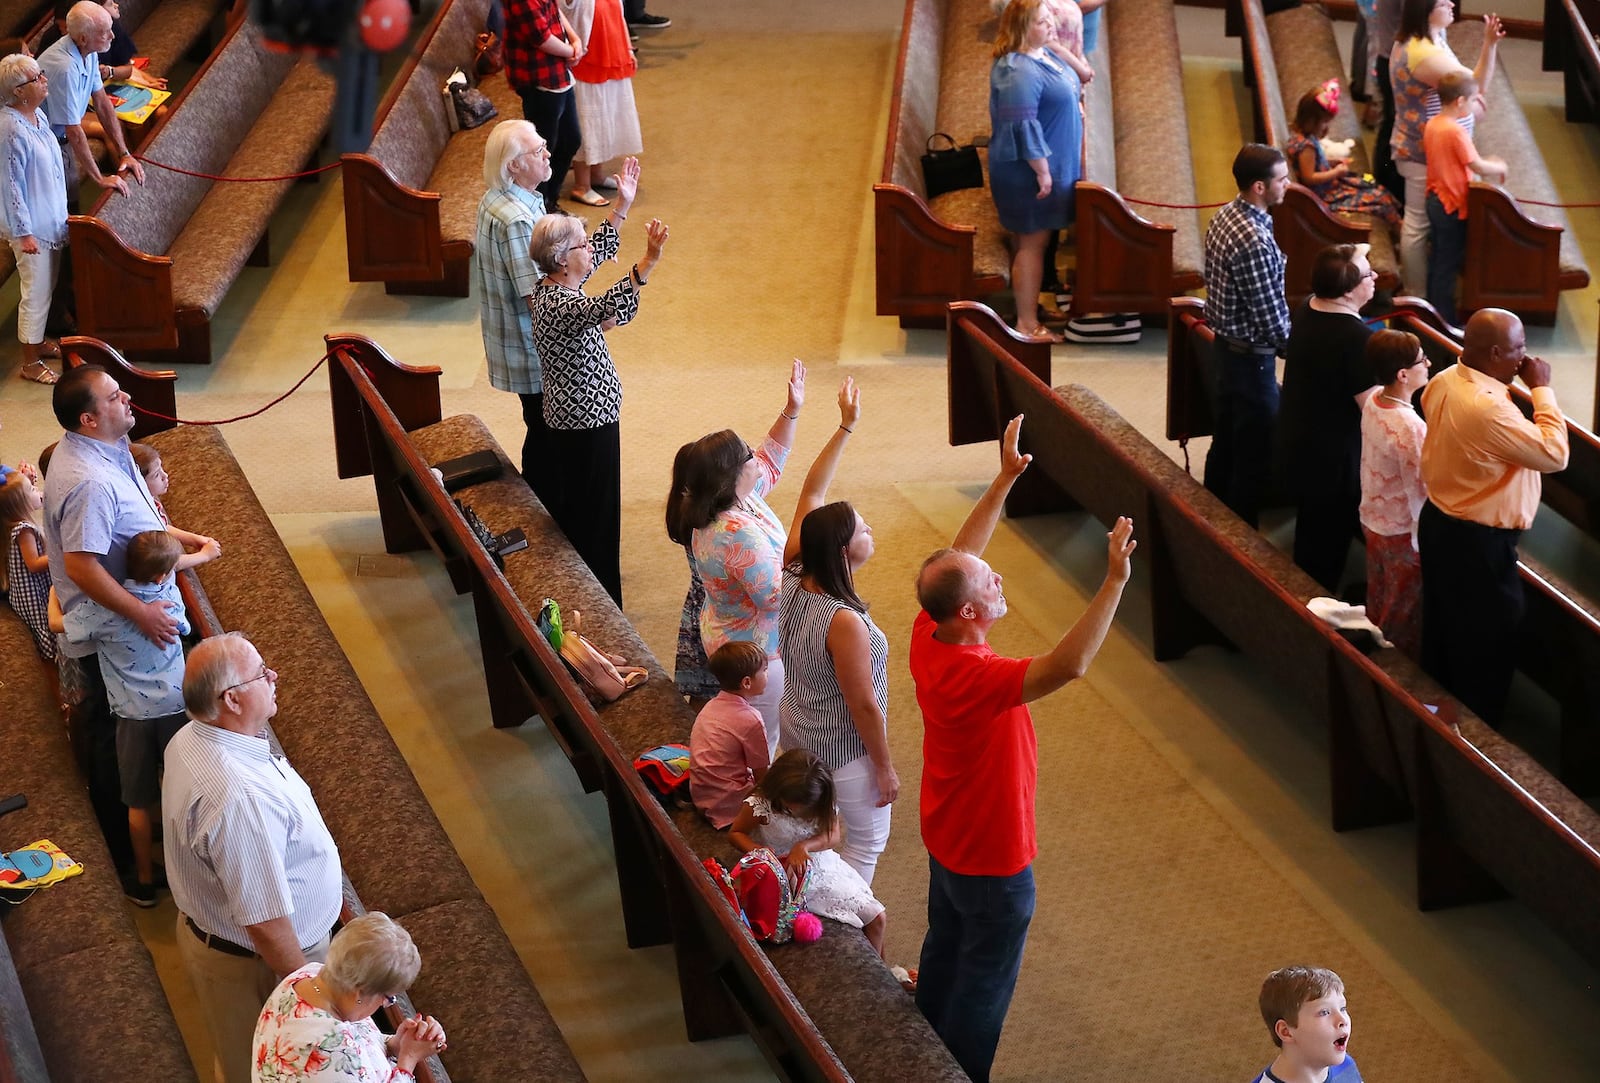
[1245,307]
[253,870]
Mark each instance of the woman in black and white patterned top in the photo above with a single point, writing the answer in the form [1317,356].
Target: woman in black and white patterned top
[836,688]
[582,394]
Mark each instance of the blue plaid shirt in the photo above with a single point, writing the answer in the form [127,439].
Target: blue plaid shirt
[506,278]
[1244,277]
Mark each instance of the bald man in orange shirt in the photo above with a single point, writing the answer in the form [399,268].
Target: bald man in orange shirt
[1481,464]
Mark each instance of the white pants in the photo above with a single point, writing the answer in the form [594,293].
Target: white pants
[1414,230]
[37,274]
[866,826]
[767,704]
[231,990]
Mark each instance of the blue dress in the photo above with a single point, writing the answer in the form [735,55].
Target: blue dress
[1034,113]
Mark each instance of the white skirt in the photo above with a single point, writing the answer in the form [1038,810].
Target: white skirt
[608,119]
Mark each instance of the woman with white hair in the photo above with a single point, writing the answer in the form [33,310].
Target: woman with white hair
[33,202]
[582,394]
[317,1024]
[516,161]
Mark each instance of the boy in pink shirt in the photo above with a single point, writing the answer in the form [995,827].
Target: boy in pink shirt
[1452,160]
[728,745]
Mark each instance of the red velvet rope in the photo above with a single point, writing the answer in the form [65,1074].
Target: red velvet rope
[215,177]
[1176,206]
[242,417]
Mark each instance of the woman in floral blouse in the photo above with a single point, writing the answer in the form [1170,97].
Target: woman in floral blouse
[720,511]
[582,394]
[317,1024]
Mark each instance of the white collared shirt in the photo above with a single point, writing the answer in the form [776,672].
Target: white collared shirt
[245,842]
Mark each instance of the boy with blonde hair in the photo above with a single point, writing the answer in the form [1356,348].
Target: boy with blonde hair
[1305,1011]
[1452,161]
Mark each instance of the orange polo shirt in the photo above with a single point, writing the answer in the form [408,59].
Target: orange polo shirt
[1481,459]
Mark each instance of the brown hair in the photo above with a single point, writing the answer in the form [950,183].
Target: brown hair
[1334,272]
[1455,85]
[942,591]
[1389,353]
[152,554]
[145,457]
[825,533]
[1014,22]
[705,480]
[735,660]
[1310,112]
[799,781]
[1290,988]
[1255,162]
[13,505]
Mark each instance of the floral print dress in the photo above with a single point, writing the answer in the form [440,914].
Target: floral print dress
[298,1042]
[1350,194]
[740,560]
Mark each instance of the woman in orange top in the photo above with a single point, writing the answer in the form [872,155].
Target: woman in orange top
[604,93]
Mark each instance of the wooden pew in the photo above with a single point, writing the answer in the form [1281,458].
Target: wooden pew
[1489,819]
[827,1011]
[1570,39]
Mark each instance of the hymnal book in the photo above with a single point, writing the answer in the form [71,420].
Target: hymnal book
[468,470]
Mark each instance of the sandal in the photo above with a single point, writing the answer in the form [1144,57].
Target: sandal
[50,349]
[589,198]
[607,183]
[38,372]
[1042,334]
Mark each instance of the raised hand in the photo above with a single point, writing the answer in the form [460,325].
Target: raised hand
[1012,461]
[627,183]
[1493,28]
[849,403]
[655,237]
[797,387]
[1119,550]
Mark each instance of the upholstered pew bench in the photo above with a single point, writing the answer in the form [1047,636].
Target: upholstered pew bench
[411,201]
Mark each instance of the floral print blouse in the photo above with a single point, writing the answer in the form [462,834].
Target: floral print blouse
[740,559]
[295,1042]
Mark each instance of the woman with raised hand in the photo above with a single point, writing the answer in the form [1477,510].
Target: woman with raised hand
[582,392]
[835,659]
[33,202]
[718,508]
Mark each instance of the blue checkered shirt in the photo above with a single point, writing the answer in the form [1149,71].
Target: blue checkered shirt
[1244,277]
[506,278]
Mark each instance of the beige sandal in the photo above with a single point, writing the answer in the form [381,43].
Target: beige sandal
[38,372]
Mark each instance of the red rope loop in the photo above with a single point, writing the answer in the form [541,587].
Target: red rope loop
[1176,206]
[216,177]
[242,417]
[1566,206]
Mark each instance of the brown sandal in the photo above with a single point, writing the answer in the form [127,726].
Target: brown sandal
[50,349]
[38,372]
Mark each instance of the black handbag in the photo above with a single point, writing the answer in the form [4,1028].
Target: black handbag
[950,169]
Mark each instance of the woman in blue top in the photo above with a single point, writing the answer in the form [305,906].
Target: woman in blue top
[33,205]
[1035,147]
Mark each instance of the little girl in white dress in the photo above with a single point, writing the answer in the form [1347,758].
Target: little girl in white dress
[792,814]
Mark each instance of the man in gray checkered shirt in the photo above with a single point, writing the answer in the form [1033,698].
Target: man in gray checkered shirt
[1245,307]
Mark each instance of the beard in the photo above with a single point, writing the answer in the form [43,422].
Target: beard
[992,611]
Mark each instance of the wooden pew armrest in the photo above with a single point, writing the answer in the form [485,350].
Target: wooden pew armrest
[923,263]
[410,391]
[1124,259]
[1512,261]
[391,231]
[124,295]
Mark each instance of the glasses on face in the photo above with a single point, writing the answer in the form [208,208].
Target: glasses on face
[1370,275]
[32,79]
[391,999]
[263,675]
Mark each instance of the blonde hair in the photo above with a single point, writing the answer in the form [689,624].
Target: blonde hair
[1014,22]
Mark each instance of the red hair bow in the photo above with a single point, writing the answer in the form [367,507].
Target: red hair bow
[1328,96]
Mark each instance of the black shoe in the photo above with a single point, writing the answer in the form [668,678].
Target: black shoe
[141,895]
[647,21]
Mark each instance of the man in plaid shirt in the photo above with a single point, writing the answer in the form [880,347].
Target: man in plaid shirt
[540,46]
[1245,306]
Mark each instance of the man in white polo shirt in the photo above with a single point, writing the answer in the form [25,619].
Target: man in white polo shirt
[252,867]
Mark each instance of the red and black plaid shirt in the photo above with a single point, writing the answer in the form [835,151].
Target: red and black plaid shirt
[529,24]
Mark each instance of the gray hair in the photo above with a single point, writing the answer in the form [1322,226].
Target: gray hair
[509,140]
[84,16]
[371,954]
[214,665]
[17,70]
[554,236]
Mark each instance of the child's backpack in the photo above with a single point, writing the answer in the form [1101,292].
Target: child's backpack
[666,769]
[758,890]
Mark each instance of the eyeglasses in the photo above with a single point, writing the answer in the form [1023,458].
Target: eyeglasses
[391,999]
[263,675]
[1370,275]
[33,79]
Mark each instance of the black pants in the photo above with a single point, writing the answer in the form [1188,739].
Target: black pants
[1382,157]
[92,730]
[586,498]
[1471,608]
[538,459]
[1244,408]
[556,117]
[1327,516]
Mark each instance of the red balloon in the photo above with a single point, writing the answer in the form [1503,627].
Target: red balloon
[384,24]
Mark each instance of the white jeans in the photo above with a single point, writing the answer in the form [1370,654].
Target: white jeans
[1414,230]
[767,704]
[866,826]
[37,274]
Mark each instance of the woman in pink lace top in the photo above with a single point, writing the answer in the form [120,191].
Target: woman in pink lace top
[1391,486]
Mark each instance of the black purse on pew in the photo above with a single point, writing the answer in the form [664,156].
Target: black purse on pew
[951,169]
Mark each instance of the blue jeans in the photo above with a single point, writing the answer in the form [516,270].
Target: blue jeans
[977,926]
[1449,253]
[1244,409]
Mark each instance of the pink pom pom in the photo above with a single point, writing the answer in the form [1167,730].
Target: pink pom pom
[807,927]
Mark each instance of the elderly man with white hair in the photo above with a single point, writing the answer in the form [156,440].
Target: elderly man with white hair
[252,868]
[72,65]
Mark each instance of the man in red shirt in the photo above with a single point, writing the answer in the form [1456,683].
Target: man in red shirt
[980,767]
[540,49]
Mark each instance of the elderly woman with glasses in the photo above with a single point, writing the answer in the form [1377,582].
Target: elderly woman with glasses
[582,394]
[33,202]
[317,1024]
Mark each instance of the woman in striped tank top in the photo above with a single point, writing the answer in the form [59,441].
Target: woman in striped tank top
[1420,59]
[836,660]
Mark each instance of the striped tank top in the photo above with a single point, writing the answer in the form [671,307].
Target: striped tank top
[1415,102]
[812,712]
